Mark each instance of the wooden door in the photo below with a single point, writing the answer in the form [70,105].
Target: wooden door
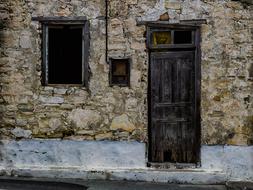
[173,107]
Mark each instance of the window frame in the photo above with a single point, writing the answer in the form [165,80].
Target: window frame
[151,28]
[111,83]
[54,21]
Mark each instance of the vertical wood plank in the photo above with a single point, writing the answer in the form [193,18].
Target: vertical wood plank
[44,77]
[86,47]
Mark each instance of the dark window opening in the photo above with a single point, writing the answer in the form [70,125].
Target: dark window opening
[65,55]
[119,72]
[182,37]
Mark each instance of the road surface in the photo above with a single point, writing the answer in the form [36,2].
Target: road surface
[43,184]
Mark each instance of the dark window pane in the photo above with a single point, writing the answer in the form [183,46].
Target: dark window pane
[163,37]
[120,72]
[65,55]
[119,68]
[182,37]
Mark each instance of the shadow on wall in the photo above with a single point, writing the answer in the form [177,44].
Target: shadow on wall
[4,21]
[5,16]
[249,2]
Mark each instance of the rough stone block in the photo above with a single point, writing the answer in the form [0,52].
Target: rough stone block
[21,133]
[84,119]
[122,123]
[25,42]
[172,5]
[51,100]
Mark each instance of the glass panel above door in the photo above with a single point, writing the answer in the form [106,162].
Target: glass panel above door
[182,37]
[161,37]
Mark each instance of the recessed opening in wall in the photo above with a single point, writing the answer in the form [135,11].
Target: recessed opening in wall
[120,72]
[65,50]
[65,54]
[182,37]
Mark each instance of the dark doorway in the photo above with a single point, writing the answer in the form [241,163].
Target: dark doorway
[174,96]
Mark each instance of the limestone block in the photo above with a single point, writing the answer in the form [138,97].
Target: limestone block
[135,78]
[104,136]
[118,46]
[116,27]
[21,133]
[54,123]
[60,91]
[25,42]
[172,4]
[138,46]
[21,122]
[85,132]
[84,119]
[131,103]
[132,2]
[51,100]
[122,123]
[130,24]
[9,39]
[25,107]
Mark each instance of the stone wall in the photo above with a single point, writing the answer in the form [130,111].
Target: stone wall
[30,110]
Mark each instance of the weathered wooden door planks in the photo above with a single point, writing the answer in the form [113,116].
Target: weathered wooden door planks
[173,107]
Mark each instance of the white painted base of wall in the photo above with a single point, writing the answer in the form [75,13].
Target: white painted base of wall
[115,160]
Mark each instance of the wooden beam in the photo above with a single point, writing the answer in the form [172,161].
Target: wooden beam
[60,19]
[194,22]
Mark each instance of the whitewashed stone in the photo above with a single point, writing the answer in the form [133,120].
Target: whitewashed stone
[68,153]
[124,160]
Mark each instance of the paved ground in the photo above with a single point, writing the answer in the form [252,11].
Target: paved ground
[149,186]
[42,184]
[7,184]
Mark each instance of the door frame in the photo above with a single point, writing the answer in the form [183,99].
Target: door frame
[173,47]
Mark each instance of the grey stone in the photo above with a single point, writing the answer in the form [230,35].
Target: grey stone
[60,91]
[25,107]
[21,133]
[25,42]
[21,122]
[84,119]
[51,100]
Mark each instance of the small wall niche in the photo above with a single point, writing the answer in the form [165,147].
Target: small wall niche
[119,72]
